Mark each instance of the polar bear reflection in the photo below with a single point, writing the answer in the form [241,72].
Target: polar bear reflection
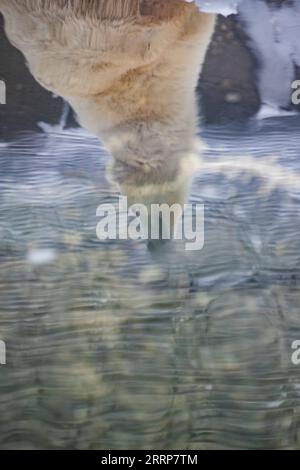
[129,68]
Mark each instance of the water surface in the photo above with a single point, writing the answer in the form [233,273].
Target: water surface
[110,346]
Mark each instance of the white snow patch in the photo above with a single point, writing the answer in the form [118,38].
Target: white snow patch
[223,7]
[267,111]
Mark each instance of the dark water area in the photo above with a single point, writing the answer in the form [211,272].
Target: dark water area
[111,347]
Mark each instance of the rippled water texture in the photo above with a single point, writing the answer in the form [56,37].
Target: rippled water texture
[111,347]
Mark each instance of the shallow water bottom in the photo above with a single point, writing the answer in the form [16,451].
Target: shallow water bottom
[111,347]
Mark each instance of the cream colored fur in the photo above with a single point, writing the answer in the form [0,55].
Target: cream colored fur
[129,68]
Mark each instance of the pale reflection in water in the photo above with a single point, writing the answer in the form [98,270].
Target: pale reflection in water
[105,349]
[166,187]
